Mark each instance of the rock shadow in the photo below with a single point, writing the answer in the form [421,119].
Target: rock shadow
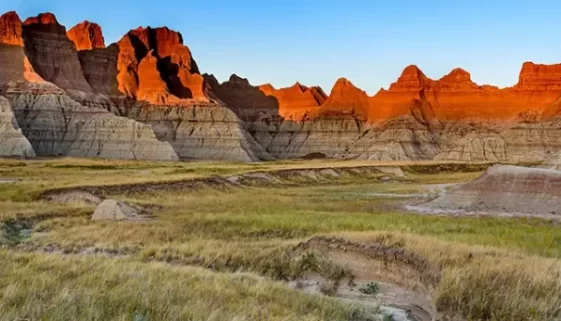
[247,101]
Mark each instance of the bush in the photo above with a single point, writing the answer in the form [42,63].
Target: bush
[370,288]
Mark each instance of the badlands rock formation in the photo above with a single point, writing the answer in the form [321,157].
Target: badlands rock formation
[506,189]
[296,102]
[73,96]
[144,97]
[114,210]
[12,140]
[86,36]
[40,79]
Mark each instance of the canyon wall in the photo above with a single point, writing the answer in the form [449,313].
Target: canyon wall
[67,93]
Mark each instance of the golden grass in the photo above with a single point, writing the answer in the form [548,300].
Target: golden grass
[508,277]
[44,174]
[484,283]
[35,287]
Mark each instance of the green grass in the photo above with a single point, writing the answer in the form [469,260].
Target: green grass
[53,288]
[213,235]
[297,213]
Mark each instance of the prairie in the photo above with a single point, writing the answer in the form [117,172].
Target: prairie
[229,252]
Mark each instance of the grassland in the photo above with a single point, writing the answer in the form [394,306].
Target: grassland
[219,254]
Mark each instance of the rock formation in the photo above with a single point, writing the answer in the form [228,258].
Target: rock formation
[50,116]
[10,29]
[166,61]
[247,101]
[52,54]
[506,189]
[201,132]
[345,100]
[113,210]
[296,102]
[12,140]
[144,97]
[86,36]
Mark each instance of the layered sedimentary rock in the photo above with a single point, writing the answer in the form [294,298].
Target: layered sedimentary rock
[168,60]
[247,101]
[508,189]
[330,136]
[86,36]
[51,54]
[57,125]
[67,89]
[12,140]
[10,29]
[152,66]
[345,99]
[52,120]
[99,63]
[201,132]
[296,102]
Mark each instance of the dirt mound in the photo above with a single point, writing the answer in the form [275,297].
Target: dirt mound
[286,177]
[73,196]
[113,210]
[405,280]
[506,189]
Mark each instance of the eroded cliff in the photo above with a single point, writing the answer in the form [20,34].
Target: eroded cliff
[144,97]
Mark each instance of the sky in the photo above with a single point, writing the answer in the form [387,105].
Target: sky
[316,42]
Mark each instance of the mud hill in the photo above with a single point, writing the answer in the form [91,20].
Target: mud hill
[145,97]
[506,189]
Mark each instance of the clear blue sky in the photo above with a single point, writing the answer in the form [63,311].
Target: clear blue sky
[316,42]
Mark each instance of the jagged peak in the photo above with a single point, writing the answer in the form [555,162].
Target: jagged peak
[10,15]
[539,76]
[457,75]
[86,36]
[457,72]
[343,83]
[210,76]
[11,29]
[42,18]
[412,70]
[298,87]
[88,23]
[318,89]
[44,23]
[158,30]
[528,64]
[411,79]
[267,88]
[237,80]
[344,86]
[235,77]
[531,67]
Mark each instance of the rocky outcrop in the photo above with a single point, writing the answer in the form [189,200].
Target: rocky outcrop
[57,125]
[328,136]
[114,210]
[506,189]
[12,140]
[537,77]
[99,64]
[86,36]
[297,102]
[145,94]
[246,100]
[45,84]
[99,67]
[51,54]
[166,60]
[10,29]
[345,99]
[201,132]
